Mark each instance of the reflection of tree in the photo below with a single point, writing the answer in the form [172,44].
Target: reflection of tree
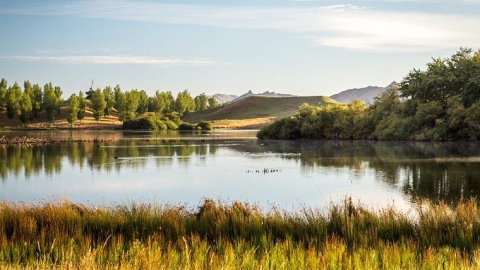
[52,159]
[3,162]
[445,171]
[423,169]
[440,180]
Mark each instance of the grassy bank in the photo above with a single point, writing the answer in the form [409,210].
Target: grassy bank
[238,236]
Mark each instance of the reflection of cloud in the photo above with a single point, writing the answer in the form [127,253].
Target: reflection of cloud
[118,60]
[343,26]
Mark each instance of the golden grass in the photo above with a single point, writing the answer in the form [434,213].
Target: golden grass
[238,235]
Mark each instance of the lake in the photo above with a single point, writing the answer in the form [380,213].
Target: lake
[186,168]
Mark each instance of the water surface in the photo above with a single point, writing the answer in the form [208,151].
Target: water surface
[224,165]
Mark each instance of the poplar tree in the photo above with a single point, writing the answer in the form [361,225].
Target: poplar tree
[73,108]
[98,104]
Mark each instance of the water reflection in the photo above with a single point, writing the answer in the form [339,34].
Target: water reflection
[436,171]
[445,171]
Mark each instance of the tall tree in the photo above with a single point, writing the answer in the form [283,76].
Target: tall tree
[72,112]
[36,96]
[3,92]
[98,104]
[117,92]
[82,105]
[132,101]
[25,108]
[184,103]
[212,102]
[142,102]
[109,96]
[51,101]
[13,95]
[201,102]
[163,102]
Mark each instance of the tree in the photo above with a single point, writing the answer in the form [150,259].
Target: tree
[98,104]
[212,102]
[142,102]
[201,102]
[109,96]
[12,97]
[162,102]
[117,92]
[3,92]
[36,97]
[72,112]
[184,103]
[82,105]
[132,102]
[25,108]
[51,101]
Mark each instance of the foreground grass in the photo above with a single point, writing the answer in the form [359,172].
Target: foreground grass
[238,236]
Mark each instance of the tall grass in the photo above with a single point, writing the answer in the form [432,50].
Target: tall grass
[236,235]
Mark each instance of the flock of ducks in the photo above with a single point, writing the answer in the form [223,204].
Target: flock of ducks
[265,170]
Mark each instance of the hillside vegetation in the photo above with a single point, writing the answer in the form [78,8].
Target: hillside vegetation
[255,110]
[441,103]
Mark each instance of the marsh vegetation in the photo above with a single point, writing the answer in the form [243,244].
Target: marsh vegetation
[218,235]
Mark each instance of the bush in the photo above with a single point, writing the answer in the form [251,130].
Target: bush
[150,122]
[204,126]
[185,126]
[283,129]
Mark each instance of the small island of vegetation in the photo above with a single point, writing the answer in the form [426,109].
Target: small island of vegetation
[440,104]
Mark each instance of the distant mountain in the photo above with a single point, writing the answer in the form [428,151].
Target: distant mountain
[224,98]
[264,94]
[367,94]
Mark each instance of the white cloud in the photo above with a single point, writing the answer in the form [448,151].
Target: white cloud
[118,60]
[343,26]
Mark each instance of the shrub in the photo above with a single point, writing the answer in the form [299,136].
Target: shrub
[150,122]
[185,126]
[204,126]
[283,129]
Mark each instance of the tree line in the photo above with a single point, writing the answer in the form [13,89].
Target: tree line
[440,103]
[29,102]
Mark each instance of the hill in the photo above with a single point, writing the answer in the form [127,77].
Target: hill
[255,111]
[366,94]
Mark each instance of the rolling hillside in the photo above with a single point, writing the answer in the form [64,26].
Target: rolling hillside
[260,110]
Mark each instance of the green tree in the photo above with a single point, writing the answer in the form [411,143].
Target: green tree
[184,103]
[201,102]
[51,101]
[109,96]
[117,92]
[162,102]
[142,102]
[3,92]
[13,96]
[25,108]
[132,103]
[36,96]
[98,104]
[212,102]
[82,105]
[72,112]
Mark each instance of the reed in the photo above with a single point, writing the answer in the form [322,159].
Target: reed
[237,235]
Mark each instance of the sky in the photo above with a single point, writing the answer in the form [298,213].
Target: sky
[299,47]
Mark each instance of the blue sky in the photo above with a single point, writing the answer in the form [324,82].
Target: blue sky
[301,47]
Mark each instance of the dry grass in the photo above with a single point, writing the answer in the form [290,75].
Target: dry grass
[238,236]
[110,122]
